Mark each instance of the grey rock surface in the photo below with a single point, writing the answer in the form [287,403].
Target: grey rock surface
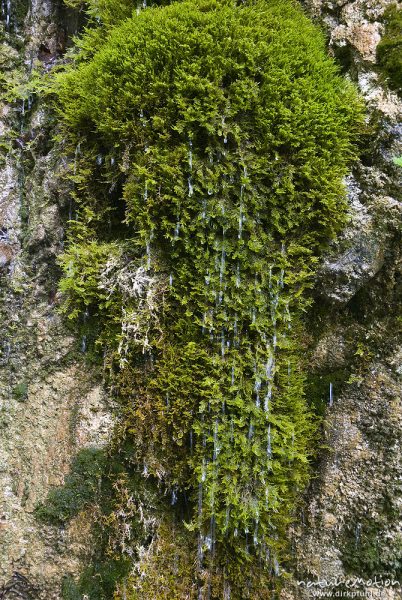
[51,404]
[351,523]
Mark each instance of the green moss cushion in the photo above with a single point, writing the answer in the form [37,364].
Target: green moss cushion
[209,141]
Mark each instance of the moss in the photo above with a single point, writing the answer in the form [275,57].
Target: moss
[20,391]
[207,173]
[69,589]
[13,15]
[97,581]
[168,571]
[100,484]
[389,50]
[79,490]
[166,568]
[318,388]
[368,550]
[19,12]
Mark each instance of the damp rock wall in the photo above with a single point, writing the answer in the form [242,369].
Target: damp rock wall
[53,404]
[351,525]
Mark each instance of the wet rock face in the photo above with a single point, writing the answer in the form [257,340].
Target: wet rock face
[351,525]
[354,30]
[18,586]
[351,522]
[51,405]
[6,254]
[361,253]
[9,214]
[355,24]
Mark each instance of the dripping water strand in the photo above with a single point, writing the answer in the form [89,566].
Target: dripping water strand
[141,6]
[190,167]
[8,15]
[269,448]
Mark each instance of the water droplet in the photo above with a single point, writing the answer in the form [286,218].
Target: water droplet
[269,449]
[148,253]
[190,155]
[177,230]
[238,275]
[331,398]
[358,531]
[190,187]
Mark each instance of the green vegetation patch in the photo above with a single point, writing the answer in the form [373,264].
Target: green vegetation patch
[369,549]
[389,50]
[208,144]
[100,488]
[20,391]
[79,490]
